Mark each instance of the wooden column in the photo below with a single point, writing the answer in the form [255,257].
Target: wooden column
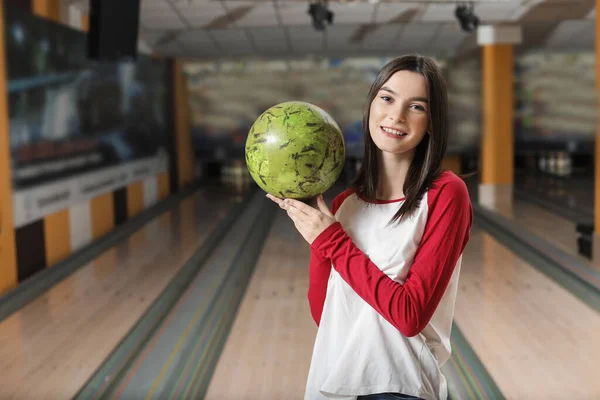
[57,235]
[184,151]
[497,153]
[596,239]
[49,9]
[85,22]
[8,251]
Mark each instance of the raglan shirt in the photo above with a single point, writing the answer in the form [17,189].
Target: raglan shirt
[383,294]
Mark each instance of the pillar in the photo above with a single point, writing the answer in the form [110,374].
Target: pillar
[50,9]
[497,152]
[85,22]
[453,163]
[57,225]
[8,250]
[183,135]
[596,238]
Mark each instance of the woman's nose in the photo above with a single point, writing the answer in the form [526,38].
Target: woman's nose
[398,115]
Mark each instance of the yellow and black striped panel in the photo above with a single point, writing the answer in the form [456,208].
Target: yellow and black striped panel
[43,243]
[135,199]
[31,250]
[57,236]
[102,210]
[163,185]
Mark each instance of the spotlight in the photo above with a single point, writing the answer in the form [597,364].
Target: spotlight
[466,17]
[320,14]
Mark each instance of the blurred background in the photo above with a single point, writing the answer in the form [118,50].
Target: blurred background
[138,259]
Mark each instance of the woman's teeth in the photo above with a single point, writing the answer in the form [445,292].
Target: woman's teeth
[394,131]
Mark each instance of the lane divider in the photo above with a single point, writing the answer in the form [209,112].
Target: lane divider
[566,270]
[467,377]
[133,343]
[188,360]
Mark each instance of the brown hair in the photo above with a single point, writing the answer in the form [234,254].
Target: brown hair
[427,163]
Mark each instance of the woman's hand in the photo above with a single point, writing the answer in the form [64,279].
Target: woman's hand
[309,221]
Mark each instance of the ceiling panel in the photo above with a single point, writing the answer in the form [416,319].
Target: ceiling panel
[383,37]
[269,40]
[340,34]
[523,8]
[153,5]
[261,14]
[168,22]
[447,39]
[438,12]
[306,39]
[361,13]
[392,10]
[493,12]
[254,27]
[197,37]
[294,13]
[232,40]
[150,37]
[171,48]
[199,13]
[194,6]
[160,15]
[417,35]
[338,39]
[572,34]
[203,20]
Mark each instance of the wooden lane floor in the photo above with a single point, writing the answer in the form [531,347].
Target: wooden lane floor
[553,228]
[52,345]
[537,340]
[270,344]
[572,196]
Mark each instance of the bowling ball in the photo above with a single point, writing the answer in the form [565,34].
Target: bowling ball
[295,150]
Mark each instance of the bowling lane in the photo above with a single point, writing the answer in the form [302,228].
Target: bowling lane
[555,229]
[572,197]
[537,340]
[270,344]
[52,345]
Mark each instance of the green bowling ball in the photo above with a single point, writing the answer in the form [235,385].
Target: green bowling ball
[295,150]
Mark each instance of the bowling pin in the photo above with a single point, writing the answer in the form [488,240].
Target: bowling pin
[542,162]
[552,163]
[568,164]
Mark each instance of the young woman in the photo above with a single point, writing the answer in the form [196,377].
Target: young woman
[385,260]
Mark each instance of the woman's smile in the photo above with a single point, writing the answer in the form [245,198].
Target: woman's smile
[393,133]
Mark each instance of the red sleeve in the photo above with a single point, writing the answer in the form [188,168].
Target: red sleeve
[408,306]
[320,269]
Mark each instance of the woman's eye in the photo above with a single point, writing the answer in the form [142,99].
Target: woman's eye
[386,98]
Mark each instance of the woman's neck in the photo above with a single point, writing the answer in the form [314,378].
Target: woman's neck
[392,172]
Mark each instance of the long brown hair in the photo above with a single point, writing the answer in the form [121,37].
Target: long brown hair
[427,162]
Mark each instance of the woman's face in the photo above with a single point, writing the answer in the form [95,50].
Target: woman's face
[399,113]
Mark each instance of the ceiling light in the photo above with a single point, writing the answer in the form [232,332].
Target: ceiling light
[466,17]
[320,14]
